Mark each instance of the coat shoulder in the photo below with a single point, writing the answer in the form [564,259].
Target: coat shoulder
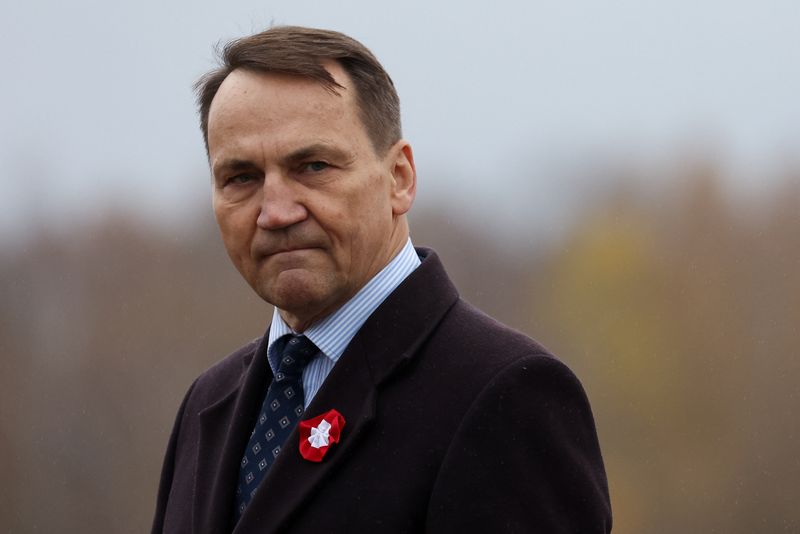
[547,473]
[483,342]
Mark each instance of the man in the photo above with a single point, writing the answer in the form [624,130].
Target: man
[377,401]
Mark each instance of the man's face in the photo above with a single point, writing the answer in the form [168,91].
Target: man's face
[308,211]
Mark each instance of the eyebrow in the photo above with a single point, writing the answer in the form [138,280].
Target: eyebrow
[301,154]
[232,164]
[317,150]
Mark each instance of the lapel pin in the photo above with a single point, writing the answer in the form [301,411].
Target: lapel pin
[317,435]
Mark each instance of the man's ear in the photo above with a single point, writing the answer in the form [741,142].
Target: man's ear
[404,177]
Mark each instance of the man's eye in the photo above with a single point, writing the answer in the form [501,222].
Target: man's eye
[241,179]
[316,166]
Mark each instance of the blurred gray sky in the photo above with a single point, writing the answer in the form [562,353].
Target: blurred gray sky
[501,100]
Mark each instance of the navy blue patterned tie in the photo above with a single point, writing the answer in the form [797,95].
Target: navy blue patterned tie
[282,409]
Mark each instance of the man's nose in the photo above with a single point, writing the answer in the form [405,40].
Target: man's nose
[280,204]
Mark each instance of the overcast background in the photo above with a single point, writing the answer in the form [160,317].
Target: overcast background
[98,112]
[619,179]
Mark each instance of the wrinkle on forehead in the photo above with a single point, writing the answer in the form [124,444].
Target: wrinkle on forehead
[240,86]
[255,115]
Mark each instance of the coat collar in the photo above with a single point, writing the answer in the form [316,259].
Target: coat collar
[388,340]
[225,427]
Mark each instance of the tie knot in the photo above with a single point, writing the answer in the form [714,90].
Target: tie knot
[297,351]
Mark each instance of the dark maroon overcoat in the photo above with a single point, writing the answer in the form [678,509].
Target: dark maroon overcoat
[454,423]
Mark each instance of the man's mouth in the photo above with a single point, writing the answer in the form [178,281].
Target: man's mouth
[265,253]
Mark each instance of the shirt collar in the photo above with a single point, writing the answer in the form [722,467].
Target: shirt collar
[333,333]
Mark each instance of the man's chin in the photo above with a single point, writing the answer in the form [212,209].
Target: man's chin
[297,290]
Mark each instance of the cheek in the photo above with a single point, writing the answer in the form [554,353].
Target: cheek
[376,211]
[236,232]
[355,218]
[351,222]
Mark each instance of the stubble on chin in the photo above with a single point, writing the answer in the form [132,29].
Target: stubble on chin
[299,292]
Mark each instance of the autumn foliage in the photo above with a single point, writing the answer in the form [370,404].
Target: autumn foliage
[677,305]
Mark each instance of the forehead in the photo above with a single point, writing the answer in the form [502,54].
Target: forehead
[279,108]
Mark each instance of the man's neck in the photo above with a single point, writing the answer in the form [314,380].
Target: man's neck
[332,333]
[299,322]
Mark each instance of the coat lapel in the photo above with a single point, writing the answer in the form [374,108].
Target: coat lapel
[389,339]
[292,479]
[225,428]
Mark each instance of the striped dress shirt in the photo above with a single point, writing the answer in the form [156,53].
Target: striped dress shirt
[332,334]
